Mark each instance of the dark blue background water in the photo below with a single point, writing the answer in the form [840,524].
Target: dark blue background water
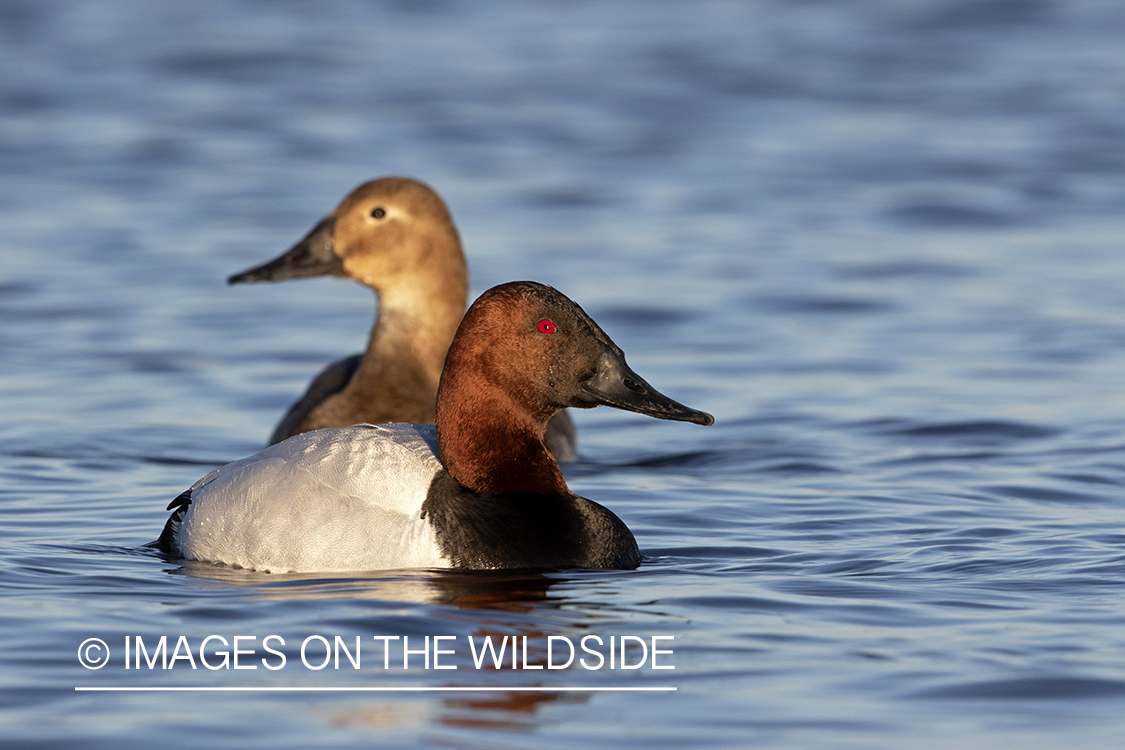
[880,241]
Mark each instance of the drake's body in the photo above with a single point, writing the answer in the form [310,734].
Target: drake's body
[491,495]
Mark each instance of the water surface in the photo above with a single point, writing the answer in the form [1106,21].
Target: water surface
[880,242]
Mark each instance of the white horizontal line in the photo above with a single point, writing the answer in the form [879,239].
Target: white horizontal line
[405,689]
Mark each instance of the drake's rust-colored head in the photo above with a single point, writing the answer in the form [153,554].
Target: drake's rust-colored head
[523,352]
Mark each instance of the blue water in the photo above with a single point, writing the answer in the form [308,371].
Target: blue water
[881,242]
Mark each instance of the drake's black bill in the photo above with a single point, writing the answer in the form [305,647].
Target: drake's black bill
[615,384]
[312,256]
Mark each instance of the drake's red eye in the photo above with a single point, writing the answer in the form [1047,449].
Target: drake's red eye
[546,326]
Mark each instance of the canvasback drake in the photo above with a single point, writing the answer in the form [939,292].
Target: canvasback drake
[395,236]
[378,497]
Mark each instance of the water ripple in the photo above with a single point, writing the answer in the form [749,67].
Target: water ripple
[1032,688]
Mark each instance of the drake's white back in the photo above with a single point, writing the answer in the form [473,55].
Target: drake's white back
[340,499]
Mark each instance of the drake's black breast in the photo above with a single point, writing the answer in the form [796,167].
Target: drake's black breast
[482,531]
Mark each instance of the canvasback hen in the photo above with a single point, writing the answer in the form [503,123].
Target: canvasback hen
[479,491]
[394,235]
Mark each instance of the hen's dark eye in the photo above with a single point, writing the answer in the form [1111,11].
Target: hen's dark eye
[378,213]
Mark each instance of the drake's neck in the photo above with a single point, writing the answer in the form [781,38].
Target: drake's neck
[488,446]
